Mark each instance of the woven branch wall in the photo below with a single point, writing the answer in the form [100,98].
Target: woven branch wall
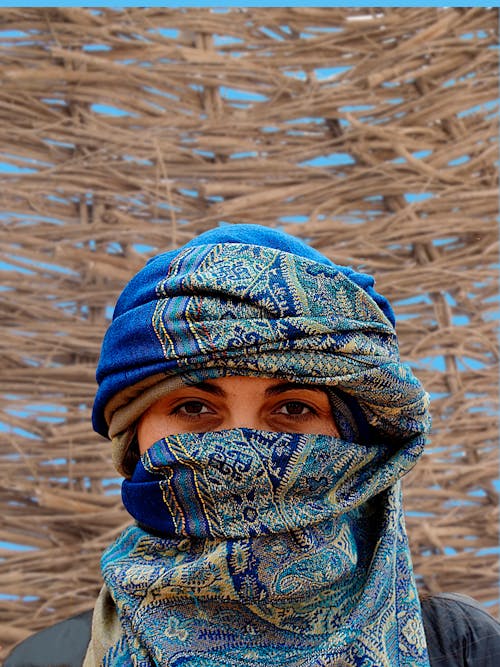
[370,133]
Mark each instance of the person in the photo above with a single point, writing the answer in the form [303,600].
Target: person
[262,420]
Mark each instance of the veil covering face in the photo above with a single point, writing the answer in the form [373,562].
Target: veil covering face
[252,546]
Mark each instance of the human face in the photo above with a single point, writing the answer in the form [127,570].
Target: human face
[238,402]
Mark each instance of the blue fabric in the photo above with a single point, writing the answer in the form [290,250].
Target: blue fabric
[132,349]
[259,548]
[274,548]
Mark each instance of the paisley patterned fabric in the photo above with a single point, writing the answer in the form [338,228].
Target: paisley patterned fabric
[275,548]
[256,548]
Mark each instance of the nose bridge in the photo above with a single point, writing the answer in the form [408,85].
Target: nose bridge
[243,414]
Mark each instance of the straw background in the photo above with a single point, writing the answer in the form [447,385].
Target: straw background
[225,116]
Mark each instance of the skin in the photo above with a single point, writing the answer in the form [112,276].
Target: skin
[264,404]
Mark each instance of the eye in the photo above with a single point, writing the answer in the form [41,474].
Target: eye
[192,408]
[294,409]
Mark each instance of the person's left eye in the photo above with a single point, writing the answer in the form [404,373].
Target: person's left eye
[294,409]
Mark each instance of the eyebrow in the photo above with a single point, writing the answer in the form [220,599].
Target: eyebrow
[280,388]
[209,388]
[290,386]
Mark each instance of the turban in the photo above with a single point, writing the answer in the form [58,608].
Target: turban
[248,300]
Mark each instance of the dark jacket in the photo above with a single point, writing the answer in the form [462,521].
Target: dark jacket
[460,633]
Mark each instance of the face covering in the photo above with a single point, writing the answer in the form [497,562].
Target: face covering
[256,548]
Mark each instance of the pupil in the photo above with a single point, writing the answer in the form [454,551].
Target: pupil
[193,407]
[294,408]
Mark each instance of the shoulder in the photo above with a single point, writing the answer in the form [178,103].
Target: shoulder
[61,645]
[460,632]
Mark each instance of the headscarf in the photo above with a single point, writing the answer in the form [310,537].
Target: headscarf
[252,547]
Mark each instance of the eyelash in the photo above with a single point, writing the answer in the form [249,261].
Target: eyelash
[296,417]
[186,415]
